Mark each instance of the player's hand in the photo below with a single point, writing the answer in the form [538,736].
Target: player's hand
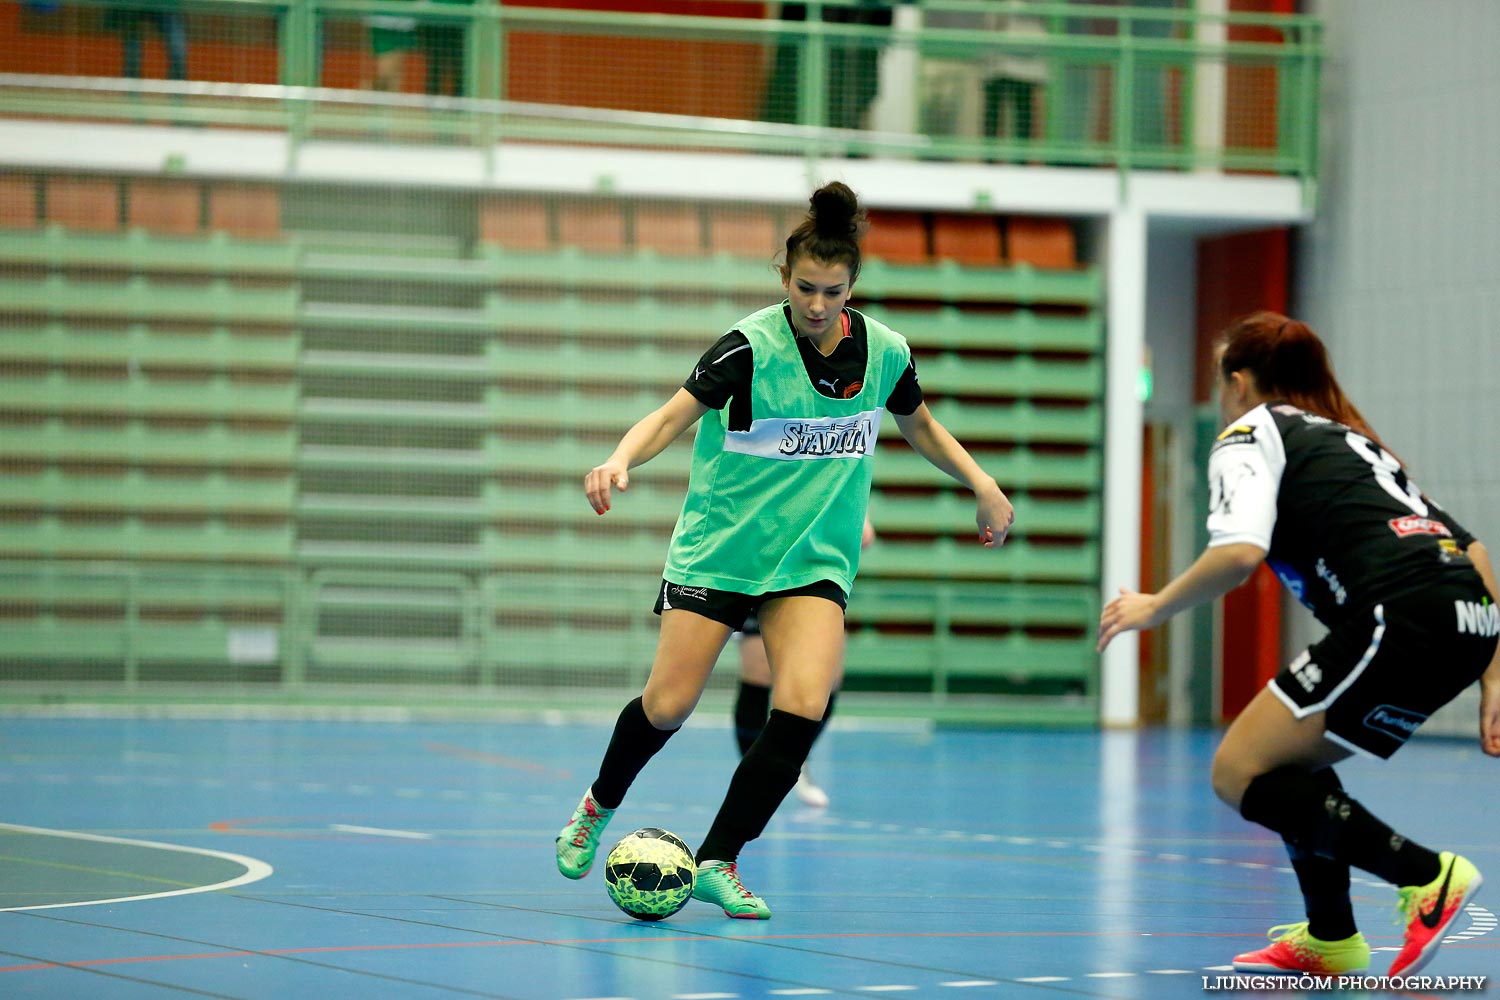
[994,518]
[601,479]
[1131,611]
[1489,711]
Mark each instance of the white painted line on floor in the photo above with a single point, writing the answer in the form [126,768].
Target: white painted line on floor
[884,989]
[1226,968]
[1170,972]
[704,996]
[802,991]
[971,982]
[1109,975]
[254,870]
[1043,979]
[375,831]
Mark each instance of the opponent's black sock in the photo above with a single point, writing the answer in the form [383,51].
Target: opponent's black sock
[766,773]
[750,707]
[634,742]
[1325,821]
[1324,882]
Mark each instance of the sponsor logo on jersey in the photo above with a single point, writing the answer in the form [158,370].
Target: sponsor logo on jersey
[1476,618]
[798,439]
[848,438]
[852,389]
[1221,495]
[1450,553]
[1328,576]
[1238,434]
[1286,409]
[1394,721]
[1413,525]
[696,593]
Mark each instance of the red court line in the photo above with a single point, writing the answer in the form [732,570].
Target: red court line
[85,963]
[485,757]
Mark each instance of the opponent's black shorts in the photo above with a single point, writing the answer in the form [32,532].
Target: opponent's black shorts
[733,609]
[1379,676]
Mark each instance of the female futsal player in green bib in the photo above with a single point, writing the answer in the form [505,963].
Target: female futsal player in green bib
[772,523]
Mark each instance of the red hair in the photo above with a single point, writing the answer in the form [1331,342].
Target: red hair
[1290,363]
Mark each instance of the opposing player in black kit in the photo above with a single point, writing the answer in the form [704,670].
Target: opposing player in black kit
[1301,481]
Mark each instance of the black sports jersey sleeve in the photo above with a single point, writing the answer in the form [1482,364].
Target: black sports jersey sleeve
[907,395]
[723,372]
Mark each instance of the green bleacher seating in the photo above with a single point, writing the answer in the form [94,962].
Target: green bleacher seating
[406,468]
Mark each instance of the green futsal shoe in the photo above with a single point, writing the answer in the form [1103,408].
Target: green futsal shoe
[718,882]
[578,842]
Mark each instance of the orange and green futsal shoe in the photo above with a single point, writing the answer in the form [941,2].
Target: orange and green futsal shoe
[1428,910]
[1293,950]
[578,842]
[718,882]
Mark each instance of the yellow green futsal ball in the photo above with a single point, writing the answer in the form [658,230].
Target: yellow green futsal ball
[649,874]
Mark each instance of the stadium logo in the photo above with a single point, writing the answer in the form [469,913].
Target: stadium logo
[801,439]
[851,438]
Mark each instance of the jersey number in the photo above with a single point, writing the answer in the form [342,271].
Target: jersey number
[1388,472]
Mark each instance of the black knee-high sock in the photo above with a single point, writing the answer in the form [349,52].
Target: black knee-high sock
[750,707]
[1327,822]
[767,772]
[1324,882]
[827,714]
[1325,894]
[634,742]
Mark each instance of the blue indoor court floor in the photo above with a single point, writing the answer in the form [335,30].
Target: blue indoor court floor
[331,860]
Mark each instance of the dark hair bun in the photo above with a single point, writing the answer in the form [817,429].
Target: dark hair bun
[835,211]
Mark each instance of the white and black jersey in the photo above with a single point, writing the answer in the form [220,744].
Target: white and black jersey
[722,375]
[1343,525]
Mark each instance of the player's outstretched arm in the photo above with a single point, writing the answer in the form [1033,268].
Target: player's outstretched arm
[1218,570]
[641,443]
[1489,683]
[933,442]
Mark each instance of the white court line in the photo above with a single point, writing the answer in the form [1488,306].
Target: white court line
[254,870]
[375,831]
[972,982]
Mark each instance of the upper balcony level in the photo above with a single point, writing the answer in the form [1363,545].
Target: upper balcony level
[1149,87]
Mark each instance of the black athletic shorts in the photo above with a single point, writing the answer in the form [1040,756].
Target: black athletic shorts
[732,608]
[1379,676]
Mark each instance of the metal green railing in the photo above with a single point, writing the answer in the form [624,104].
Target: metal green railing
[1126,87]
